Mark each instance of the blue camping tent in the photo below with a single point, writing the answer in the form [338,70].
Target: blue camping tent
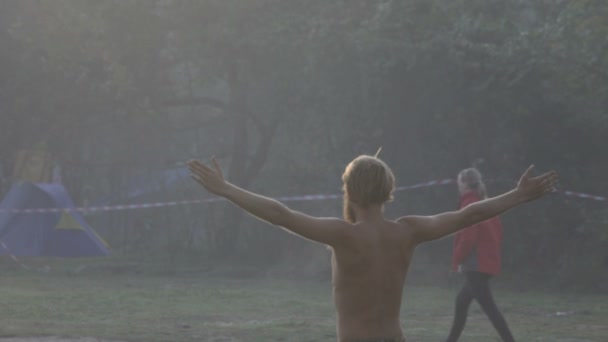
[61,233]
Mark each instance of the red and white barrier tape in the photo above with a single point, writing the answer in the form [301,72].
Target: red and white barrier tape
[316,197]
[107,208]
[583,195]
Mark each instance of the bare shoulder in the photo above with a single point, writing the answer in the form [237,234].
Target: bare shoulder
[427,228]
[326,222]
[412,224]
[408,222]
[328,230]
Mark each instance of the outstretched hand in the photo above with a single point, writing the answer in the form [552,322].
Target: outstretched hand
[211,178]
[534,187]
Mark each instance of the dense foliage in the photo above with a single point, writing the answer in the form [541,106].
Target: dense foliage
[286,92]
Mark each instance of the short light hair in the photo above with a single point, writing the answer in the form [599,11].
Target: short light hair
[368,181]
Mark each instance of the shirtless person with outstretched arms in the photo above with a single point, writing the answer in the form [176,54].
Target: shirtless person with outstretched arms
[370,254]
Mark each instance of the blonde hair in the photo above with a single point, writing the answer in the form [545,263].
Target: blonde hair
[367,181]
[473,180]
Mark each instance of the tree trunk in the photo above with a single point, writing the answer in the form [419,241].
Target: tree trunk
[243,167]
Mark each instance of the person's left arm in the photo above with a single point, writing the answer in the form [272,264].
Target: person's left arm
[427,228]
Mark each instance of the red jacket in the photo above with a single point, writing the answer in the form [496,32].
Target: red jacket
[477,248]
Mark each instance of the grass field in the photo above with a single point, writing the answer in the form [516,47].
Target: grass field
[197,307]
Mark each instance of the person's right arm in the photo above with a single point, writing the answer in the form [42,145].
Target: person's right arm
[330,231]
[426,228]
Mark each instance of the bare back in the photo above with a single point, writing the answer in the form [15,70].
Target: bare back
[368,277]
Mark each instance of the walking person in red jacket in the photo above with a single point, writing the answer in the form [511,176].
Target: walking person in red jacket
[477,255]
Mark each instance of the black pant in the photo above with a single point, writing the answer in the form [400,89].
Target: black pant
[476,287]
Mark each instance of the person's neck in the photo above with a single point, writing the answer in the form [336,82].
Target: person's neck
[369,214]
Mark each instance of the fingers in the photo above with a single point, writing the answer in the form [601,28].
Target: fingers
[548,188]
[193,164]
[202,178]
[528,172]
[548,180]
[197,167]
[206,176]
[540,185]
[217,166]
[547,183]
[550,174]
